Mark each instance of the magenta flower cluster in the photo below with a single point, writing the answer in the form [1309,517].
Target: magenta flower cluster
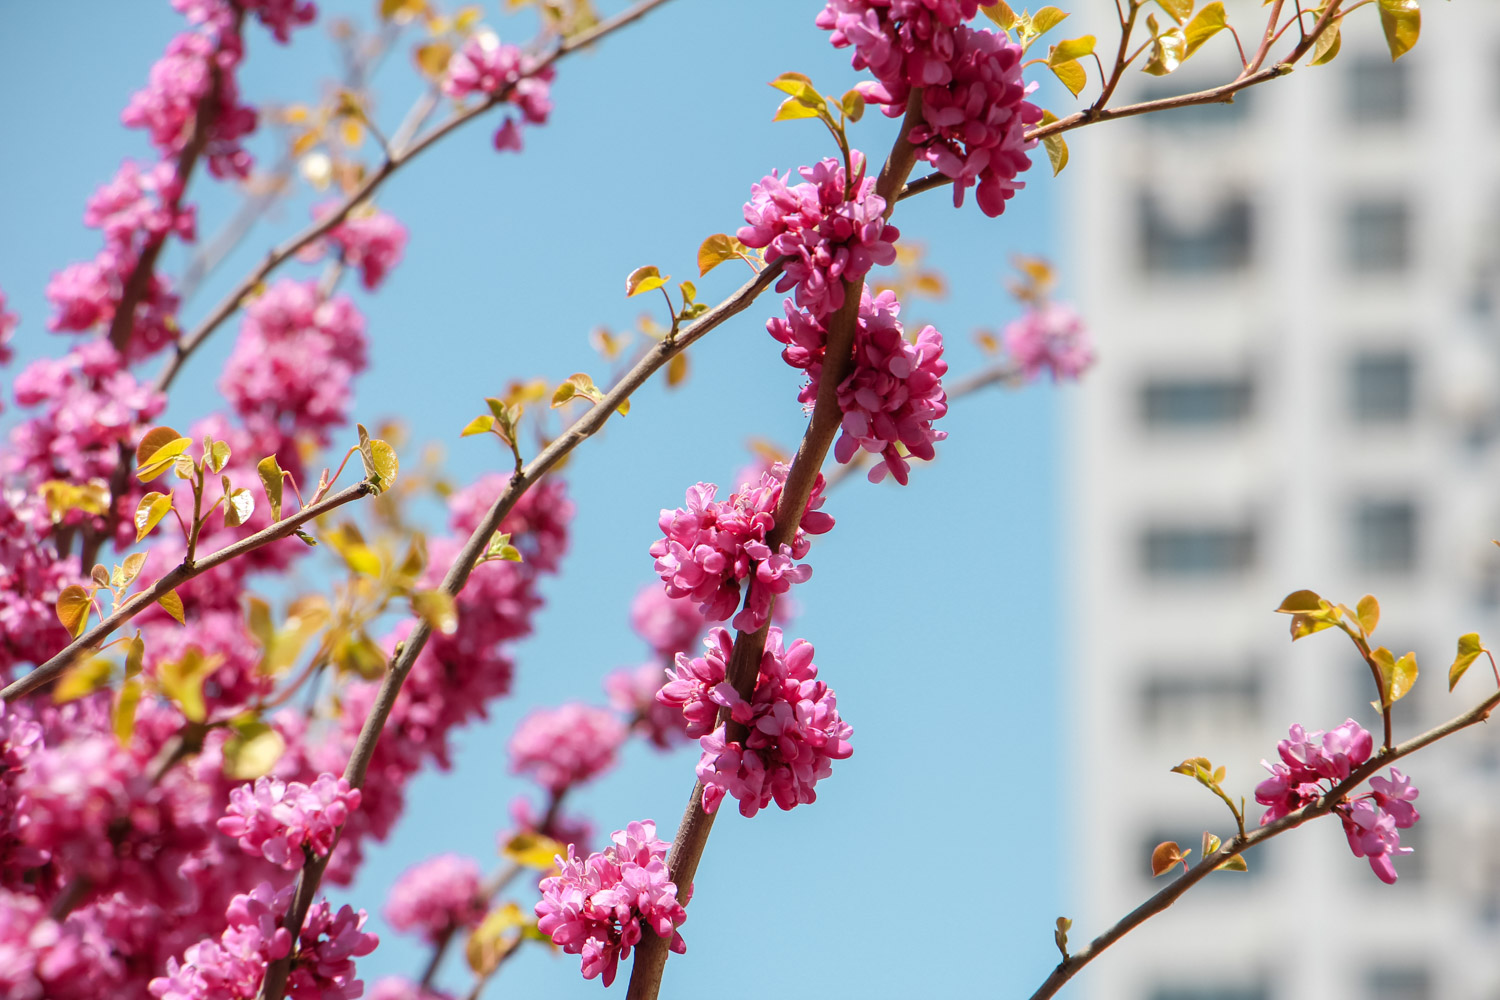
[794,732]
[600,906]
[501,72]
[974,107]
[285,822]
[1050,338]
[712,546]
[234,966]
[823,236]
[433,898]
[565,746]
[368,240]
[894,392]
[1312,763]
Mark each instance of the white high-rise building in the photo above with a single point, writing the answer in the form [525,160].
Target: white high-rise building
[1297,305]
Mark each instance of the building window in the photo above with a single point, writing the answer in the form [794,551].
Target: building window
[1378,90]
[1377,236]
[1214,240]
[1197,552]
[1196,402]
[1385,536]
[1399,984]
[1179,700]
[1382,386]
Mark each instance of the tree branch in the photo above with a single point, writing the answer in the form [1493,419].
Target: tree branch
[184,572]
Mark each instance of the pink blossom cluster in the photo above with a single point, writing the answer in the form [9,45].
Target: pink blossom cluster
[669,625]
[562,747]
[87,295]
[285,822]
[234,966]
[435,897]
[793,729]
[712,546]
[19,738]
[368,239]
[1050,338]
[396,988]
[894,392]
[1312,763]
[294,364]
[198,67]
[501,73]
[32,577]
[632,690]
[45,959]
[280,16]
[598,907]
[974,107]
[824,236]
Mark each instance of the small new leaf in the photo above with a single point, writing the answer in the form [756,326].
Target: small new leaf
[252,750]
[532,850]
[1469,650]
[239,504]
[1057,148]
[436,608]
[792,109]
[1326,50]
[482,424]
[1060,935]
[123,718]
[270,474]
[716,250]
[1401,20]
[1206,24]
[1368,613]
[218,456]
[81,679]
[172,604]
[1166,855]
[999,12]
[1071,73]
[1180,10]
[644,279]
[164,457]
[1168,49]
[73,609]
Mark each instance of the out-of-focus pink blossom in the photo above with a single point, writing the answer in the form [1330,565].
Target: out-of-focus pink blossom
[566,746]
[283,821]
[436,896]
[371,240]
[483,65]
[8,323]
[1050,338]
[597,907]
[711,547]
[632,690]
[669,625]
[396,988]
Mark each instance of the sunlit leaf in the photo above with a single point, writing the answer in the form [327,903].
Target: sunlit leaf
[1070,49]
[131,569]
[1368,613]
[271,475]
[792,109]
[1301,602]
[181,680]
[437,609]
[82,679]
[1401,20]
[252,750]
[802,92]
[1180,10]
[1326,49]
[432,58]
[999,12]
[1165,856]
[852,104]
[1234,864]
[73,609]
[716,250]
[123,717]
[1057,148]
[1046,19]
[533,850]
[172,604]
[218,456]
[1168,49]
[644,279]
[1207,23]
[239,505]
[1469,650]
[386,465]
[1072,74]
[497,935]
[677,369]
[135,655]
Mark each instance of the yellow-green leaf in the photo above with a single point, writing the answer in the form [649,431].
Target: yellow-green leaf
[1046,19]
[135,654]
[1234,864]
[999,11]
[271,475]
[482,424]
[497,935]
[1401,20]
[1300,602]
[252,750]
[432,58]
[1403,677]
[1070,49]
[359,654]
[716,250]
[436,607]
[386,464]
[644,279]
[801,90]
[218,456]
[173,606]
[1057,148]
[1207,23]
[1326,49]
[82,679]
[152,442]
[578,384]
[239,505]
[149,512]
[182,680]
[533,850]
[132,568]
[1168,49]
[1469,650]
[73,609]
[163,458]
[1368,613]
[124,713]
[792,109]
[1072,74]
[1180,10]
[852,104]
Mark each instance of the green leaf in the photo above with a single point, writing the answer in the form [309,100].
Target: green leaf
[73,609]
[716,250]
[149,512]
[1072,74]
[1206,24]
[792,109]
[999,12]
[1368,613]
[253,749]
[1070,50]
[1046,19]
[1057,149]
[124,714]
[152,444]
[852,104]
[82,679]
[532,850]
[1301,602]
[163,458]
[1469,650]
[386,465]
[644,279]
[270,480]
[182,681]
[437,609]
[135,653]
[1168,49]
[1180,10]
[1326,49]
[482,424]
[218,456]
[132,569]
[577,384]
[1234,864]
[239,504]
[1401,20]
[1396,676]
[802,91]
[172,604]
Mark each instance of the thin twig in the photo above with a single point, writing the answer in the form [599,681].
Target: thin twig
[1070,966]
[182,573]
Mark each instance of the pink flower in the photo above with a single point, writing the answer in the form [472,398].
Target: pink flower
[597,907]
[436,896]
[329,944]
[824,238]
[371,241]
[282,821]
[668,624]
[565,746]
[633,691]
[396,988]
[711,547]
[794,729]
[8,322]
[692,685]
[1052,338]
[501,72]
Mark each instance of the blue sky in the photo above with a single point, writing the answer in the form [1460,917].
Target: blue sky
[933,608]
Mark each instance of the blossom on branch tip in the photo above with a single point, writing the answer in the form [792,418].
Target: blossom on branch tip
[500,71]
[1050,338]
[283,821]
[436,896]
[597,907]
